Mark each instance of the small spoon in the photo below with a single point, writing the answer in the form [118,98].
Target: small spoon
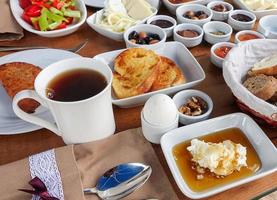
[121,181]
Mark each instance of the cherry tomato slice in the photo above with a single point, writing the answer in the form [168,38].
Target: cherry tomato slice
[25,3]
[26,18]
[69,20]
[61,26]
[33,11]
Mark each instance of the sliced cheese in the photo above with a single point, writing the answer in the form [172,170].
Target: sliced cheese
[137,9]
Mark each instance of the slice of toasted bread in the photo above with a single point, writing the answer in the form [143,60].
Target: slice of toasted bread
[169,75]
[135,70]
[18,76]
[261,86]
[267,66]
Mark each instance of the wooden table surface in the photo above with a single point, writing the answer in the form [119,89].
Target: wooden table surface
[15,147]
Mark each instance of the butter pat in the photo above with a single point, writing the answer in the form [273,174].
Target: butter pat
[137,9]
[220,158]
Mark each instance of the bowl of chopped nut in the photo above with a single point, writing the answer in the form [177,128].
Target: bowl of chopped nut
[193,106]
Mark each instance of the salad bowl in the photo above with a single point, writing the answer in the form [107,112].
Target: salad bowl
[17,12]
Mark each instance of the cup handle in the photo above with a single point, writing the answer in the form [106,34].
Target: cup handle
[29,117]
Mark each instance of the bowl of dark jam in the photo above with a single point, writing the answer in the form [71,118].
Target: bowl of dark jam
[241,20]
[165,22]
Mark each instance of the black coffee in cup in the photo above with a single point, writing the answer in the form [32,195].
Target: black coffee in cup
[76,85]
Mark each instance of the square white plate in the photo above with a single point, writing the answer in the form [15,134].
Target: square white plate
[173,50]
[265,149]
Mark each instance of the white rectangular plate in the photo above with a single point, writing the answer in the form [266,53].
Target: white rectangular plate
[259,14]
[265,149]
[173,50]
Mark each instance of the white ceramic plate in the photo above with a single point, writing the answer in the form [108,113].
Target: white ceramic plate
[9,122]
[173,50]
[263,146]
[17,12]
[259,14]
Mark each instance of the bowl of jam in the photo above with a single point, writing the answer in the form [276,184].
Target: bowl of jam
[172,5]
[248,35]
[241,20]
[189,34]
[220,10]
[194,14]
[219,51]
[165,22]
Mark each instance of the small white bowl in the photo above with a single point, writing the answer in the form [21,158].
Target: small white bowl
[193,7]
[188,42]
[17,13]
[91,21]
[169,30]
[268,26]
[181,98]
[220,16]
[217,26]
[264,148]
[239,25]
[153,133]
[247,32]
[148,28]
[216,60]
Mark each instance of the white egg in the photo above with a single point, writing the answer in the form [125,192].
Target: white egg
[160,110]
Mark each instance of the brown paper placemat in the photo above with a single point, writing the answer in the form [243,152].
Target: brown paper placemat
[9,28]
[94,158]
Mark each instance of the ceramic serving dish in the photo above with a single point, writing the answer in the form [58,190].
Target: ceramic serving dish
[169,30]
[220,16]
[251,130]
[240,33]
[268,26]
[91,20]
[259,14]
[240,25]
[215,59]
[173,50]
[235,67]
[17,12]
[214,26]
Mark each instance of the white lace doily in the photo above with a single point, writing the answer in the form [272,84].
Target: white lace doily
[44,166]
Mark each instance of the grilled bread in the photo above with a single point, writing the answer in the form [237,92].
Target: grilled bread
[18,76]
[169,75]
[262,86]
[135,70]
[267,66]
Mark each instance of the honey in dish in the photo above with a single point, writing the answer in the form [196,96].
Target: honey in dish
[183,160]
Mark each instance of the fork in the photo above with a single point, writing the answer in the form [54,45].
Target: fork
[19,48]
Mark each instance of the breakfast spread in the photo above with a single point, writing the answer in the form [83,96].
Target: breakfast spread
[162,23]
[18,76]
[216,159]
[144,38]
[261,80]
[188,33]
[138,70]
[195,15]
[242,18]
[118,15]
[194,106]
[248,36]
[222,51]
[220,8]
[47,15]
[258,5]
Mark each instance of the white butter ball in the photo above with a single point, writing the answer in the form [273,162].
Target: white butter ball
[160,110]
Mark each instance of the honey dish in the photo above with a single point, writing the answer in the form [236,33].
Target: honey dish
[200,173]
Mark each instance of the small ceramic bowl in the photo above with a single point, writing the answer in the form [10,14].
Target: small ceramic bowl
[193,7]
[215,59]
[153,133]
[169,30]
[181,98]
[17,13]
[148,28]
[239,25]
[188,42]
[220,16]
[216,26]
[268,26]
[171,7]
[238,34]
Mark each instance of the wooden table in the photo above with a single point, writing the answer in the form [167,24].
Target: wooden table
[16,147]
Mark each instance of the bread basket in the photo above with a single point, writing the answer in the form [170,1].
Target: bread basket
[235,67]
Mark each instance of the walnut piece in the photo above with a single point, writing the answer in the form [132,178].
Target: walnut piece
[194,106]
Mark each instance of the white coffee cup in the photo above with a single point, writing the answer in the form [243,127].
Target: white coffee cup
[77,121]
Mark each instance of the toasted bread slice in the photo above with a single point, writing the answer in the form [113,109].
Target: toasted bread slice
[267,66]
[261,86]
[169,75]
[18,76]
[135,70]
